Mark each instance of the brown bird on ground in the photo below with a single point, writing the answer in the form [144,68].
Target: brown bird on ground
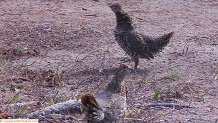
[110,104]
[135,44]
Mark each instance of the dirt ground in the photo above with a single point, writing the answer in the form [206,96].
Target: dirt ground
[54,50]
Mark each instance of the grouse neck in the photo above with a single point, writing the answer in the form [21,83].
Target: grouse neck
[124,22]
[115,85]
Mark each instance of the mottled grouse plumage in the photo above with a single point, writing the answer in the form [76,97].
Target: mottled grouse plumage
[135,44]
[107,106]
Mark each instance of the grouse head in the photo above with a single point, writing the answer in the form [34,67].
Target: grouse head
[124,22]
[121,71]
[116,8]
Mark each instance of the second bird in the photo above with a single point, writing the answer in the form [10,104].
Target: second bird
[109,105]
[135,44]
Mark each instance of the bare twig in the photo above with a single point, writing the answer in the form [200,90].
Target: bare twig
[133,119]
[19,104]
[185,48]
[169,105]
[94,15]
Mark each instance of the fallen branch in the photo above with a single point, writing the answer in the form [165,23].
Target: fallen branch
[20,104]
[71,106]
[133,119]
[169,105]
[94,15]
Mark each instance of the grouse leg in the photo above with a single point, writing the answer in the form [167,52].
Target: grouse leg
[126,59]
[136,60]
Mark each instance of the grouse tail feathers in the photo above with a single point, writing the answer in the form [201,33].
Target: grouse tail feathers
[163,40]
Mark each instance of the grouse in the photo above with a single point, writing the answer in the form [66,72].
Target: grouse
[135,44]
[110,104]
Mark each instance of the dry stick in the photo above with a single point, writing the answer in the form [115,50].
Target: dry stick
[107,51]
[190,88]
[87,56]
[19,104]
[6,13]
[169,105]
[69,71]
[185,46]
[10,101]
[31,63]
[94,15]
[71,106]
[133,119]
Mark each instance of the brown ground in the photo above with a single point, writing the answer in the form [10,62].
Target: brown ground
[53,50]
